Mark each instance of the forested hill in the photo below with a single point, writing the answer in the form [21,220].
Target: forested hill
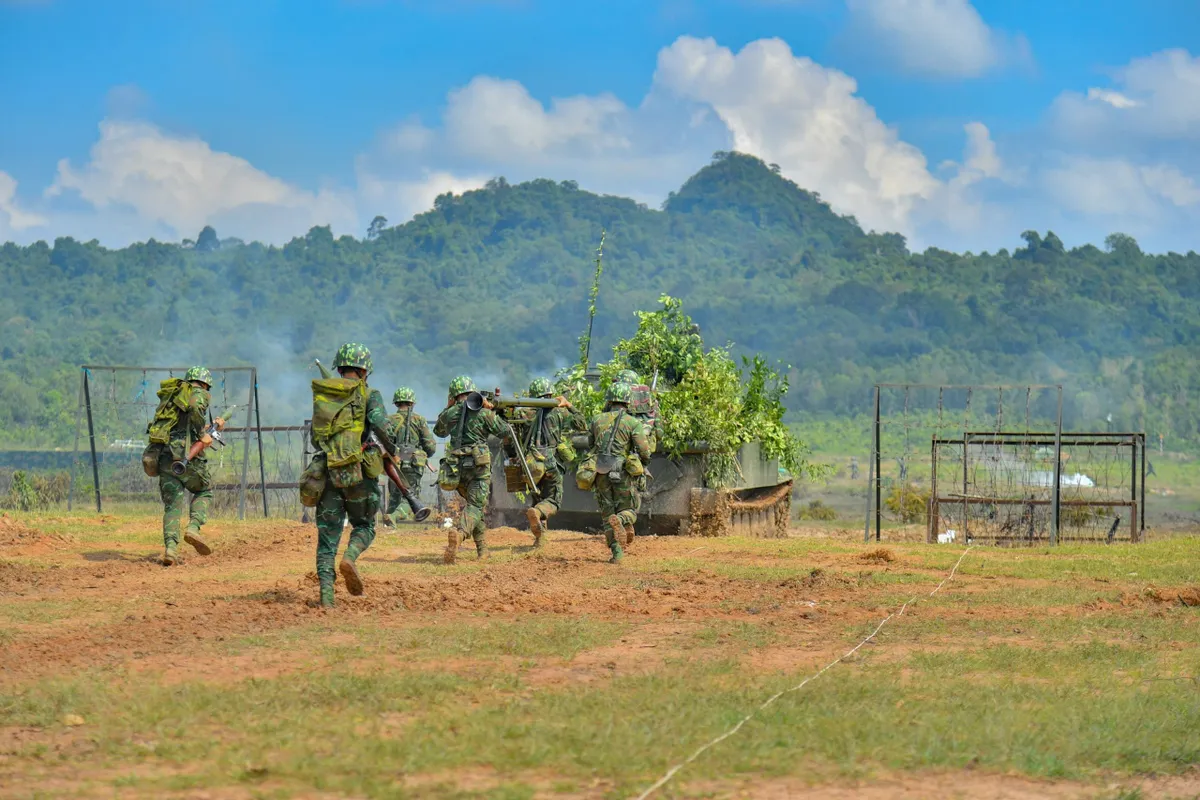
[495,282]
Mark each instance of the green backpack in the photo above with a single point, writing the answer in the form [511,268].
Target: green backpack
[338,420]
[174,394]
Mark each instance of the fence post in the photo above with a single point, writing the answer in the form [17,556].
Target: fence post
[878,465]
[87,400]
[1055,508]
[262,467]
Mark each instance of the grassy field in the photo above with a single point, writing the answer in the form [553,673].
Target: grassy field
[1072,672]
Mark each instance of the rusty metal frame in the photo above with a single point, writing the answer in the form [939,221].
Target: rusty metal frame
[1137,490]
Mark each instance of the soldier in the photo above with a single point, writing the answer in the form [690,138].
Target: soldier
[184,412]
[346,415]
[619,442]
[466,465]
[642,405]
[414,446]
[546,431]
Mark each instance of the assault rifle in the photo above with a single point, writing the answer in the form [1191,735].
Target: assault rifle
[211,437]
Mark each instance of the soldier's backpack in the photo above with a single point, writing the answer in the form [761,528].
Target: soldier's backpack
[174,395]
[339,418]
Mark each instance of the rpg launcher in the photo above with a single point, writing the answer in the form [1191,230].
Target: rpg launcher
[211,437]
[474,402]
[420,511]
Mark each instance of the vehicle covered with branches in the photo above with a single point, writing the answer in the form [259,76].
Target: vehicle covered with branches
[725,461]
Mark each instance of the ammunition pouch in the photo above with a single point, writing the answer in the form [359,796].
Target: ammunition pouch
[312,481]
[150,459]
[347,475]
[372,463]
[448,473]
[407,455]
[565,453]
[536,461]
[585,476]
[633,466]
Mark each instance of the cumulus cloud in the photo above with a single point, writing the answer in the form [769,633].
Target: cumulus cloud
[12,216]
[400,199]
[935,38]
[806,118]
[184,184]
[1118,188]
[1152,98]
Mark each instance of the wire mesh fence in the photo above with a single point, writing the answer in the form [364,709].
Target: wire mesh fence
[116,404]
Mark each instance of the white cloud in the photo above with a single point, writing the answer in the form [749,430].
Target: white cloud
[1154,98]
[806,118]
[12,216]
[184,184]
[400,199]
[935,38]
[1117,188]
[492,118]
[1114,99]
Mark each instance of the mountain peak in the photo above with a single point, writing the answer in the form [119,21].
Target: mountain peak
[754,190]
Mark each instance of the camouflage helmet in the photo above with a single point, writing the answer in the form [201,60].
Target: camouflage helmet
[353,354]
[199,375]
[619,393]
[628,376]
[461,385]
[541,387]
[404,395]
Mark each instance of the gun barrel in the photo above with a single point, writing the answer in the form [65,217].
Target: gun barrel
[525,402]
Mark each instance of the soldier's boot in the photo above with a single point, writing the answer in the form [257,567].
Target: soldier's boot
[327,595]
[615,535]
[170,556]
[453,537]
[192,537]
[535,525]
[481,548]
[349,571]
[629,534]
[386,521]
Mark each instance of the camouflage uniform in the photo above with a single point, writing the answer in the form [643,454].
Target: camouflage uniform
[542,431]
[642,405]
[468,432]
[196,479]
[414,445]
[617,493]
[359,501]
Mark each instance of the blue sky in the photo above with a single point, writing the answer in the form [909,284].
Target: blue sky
[958,123]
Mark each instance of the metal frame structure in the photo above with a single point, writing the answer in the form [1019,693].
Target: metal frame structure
[877,431]
[1137,488]
[85,408]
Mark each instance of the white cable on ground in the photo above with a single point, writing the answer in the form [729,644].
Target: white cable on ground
[675,769]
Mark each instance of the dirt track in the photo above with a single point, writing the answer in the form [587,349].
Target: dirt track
[88,594]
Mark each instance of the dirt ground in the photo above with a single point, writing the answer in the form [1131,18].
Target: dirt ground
[86,595]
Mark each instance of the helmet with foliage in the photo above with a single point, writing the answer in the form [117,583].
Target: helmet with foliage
[199,375]
[541,387]
[628,376]
[619,393]
[404,395]
[461,385]
[353,354]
